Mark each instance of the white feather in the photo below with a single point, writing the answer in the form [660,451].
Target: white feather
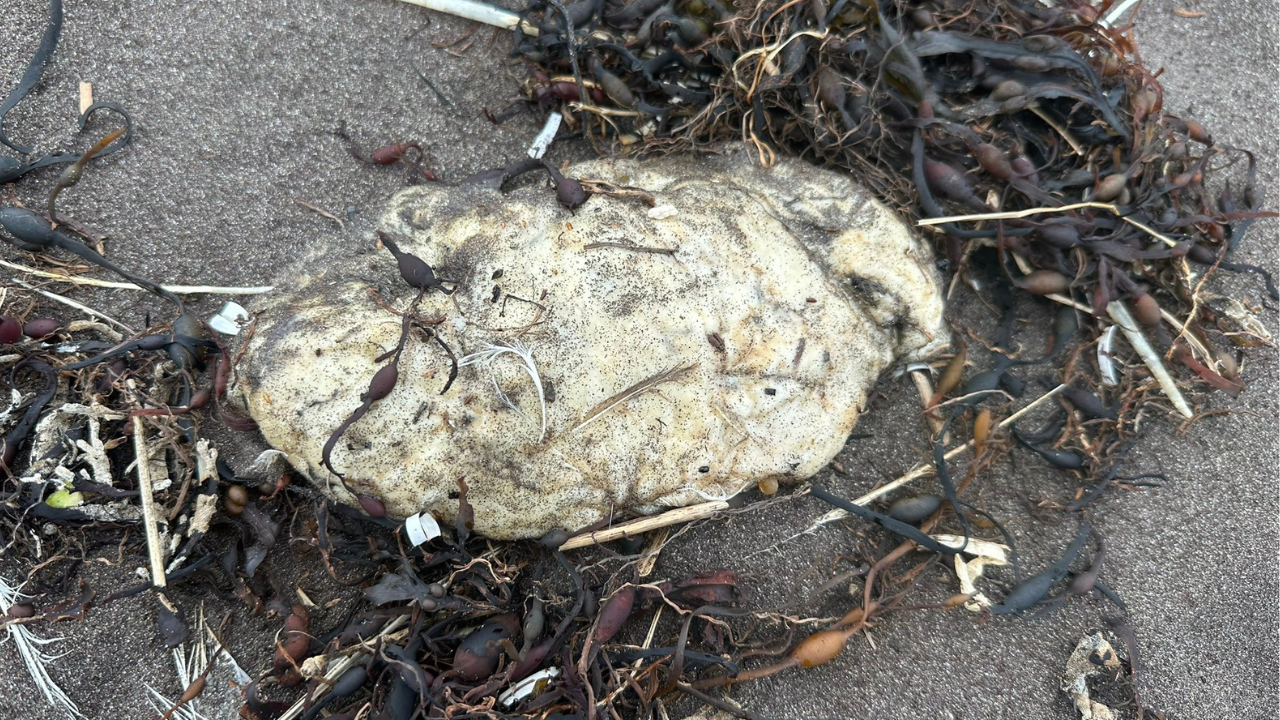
[491,352]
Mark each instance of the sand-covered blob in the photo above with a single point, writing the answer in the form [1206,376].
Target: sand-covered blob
[661,379]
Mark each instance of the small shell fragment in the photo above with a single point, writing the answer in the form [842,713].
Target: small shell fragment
[663,212]
[1105,365]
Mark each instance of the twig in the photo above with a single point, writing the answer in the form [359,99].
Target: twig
[177,289]
[604,187]
[1014,214]
[924,386]
[625,246]
[1062,130]
[322,212]
[640,526]
[1169,317]
[604,111]
[72,303]
[1124,320]
[86,96]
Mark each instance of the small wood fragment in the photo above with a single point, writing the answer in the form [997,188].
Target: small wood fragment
[86,96]
[175,289]
[324,213]
[924,386]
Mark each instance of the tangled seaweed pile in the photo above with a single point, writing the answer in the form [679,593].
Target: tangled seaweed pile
[1039,124]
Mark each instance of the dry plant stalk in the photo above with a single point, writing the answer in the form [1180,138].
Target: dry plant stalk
[1124,320]
[155,551]
[176,289]
[640,526]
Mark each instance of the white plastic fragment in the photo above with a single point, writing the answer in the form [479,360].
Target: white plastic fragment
[1117,12]
[1106,345]
[902,370]
[662,212]
[546,136]
[230,319]
[526,687]
[421,527]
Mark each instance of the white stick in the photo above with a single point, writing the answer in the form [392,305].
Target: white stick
[539,146]
[154,549]
[924,386]
[177,289]
[1116,13]
[1120,314]
[477,11]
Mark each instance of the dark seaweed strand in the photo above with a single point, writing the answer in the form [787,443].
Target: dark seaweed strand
[48,43]
[898,527]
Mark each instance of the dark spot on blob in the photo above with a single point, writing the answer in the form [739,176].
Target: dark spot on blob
[319,352]
[867,288]
[549,391]
[704,469]
[770,391]
[453,495]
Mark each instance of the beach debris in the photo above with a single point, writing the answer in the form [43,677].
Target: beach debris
[623,402]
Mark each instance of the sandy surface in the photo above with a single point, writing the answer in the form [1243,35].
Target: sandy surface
[236,103]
